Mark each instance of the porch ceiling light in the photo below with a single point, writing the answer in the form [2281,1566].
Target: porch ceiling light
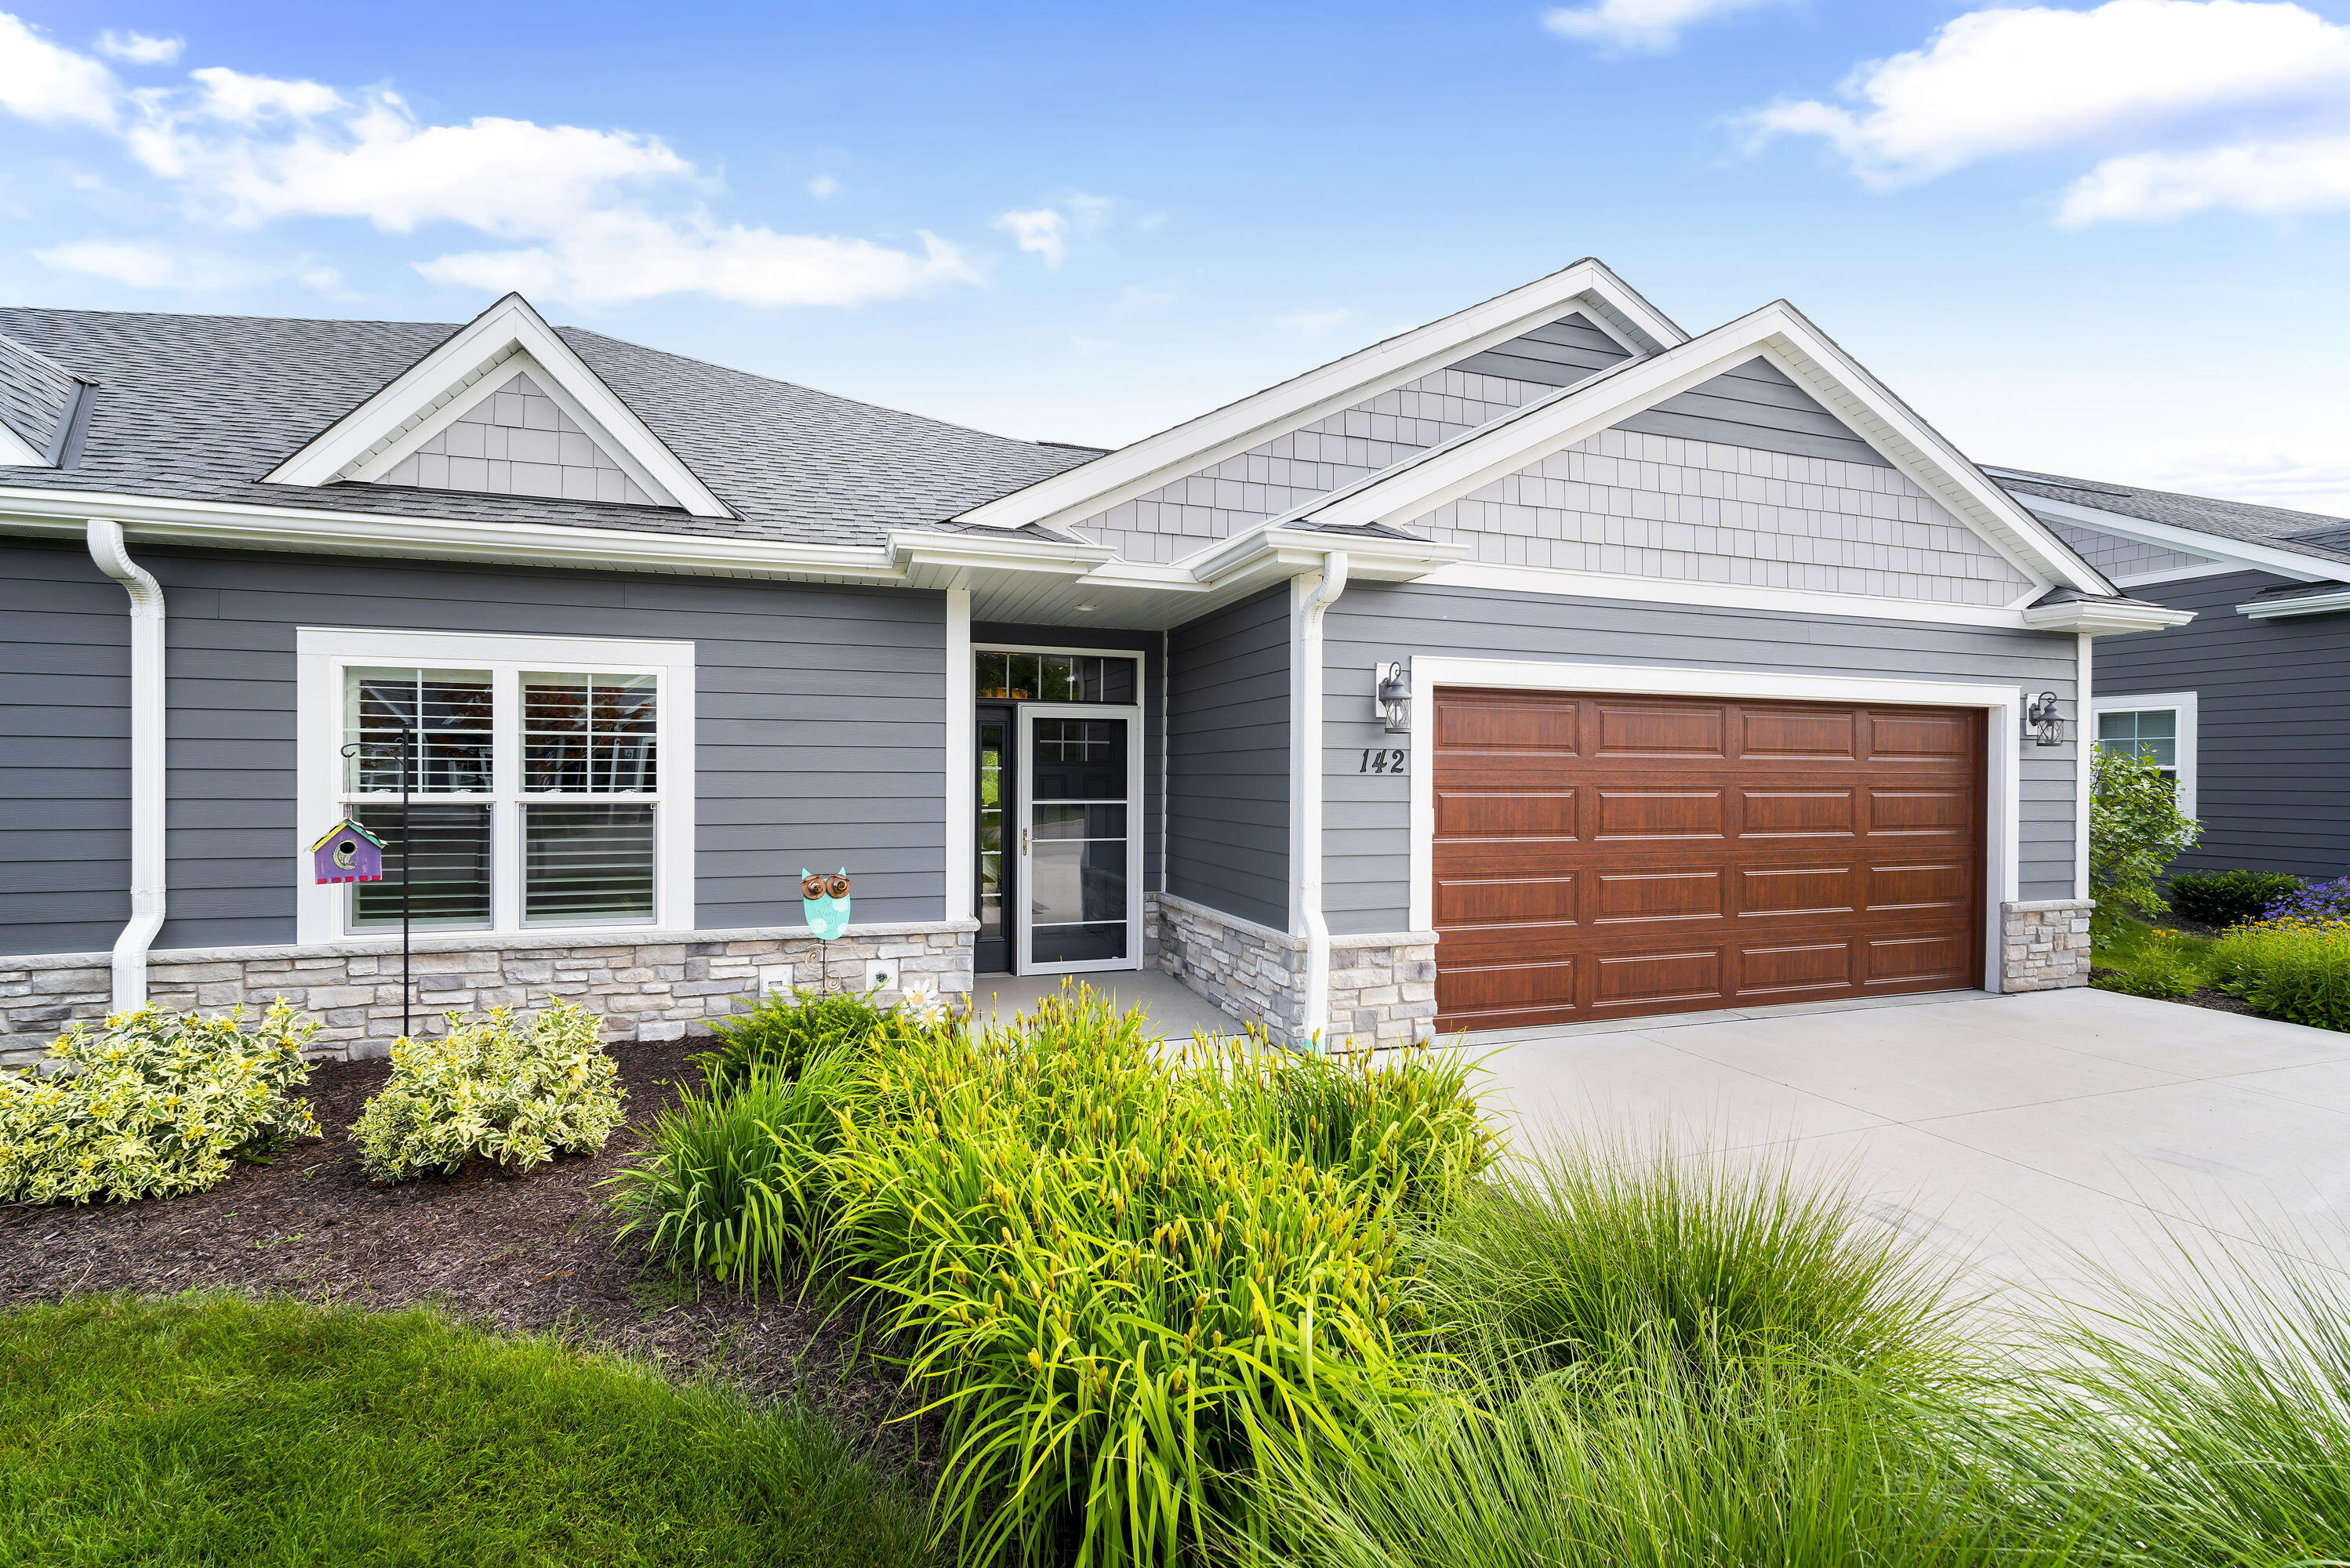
[1394,698]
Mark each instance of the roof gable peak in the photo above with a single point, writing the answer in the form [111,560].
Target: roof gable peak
[416,409]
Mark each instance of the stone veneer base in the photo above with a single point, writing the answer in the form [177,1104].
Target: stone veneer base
[2045,944]
[649,985]
[1382,986]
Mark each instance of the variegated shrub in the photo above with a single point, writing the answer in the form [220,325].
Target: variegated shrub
[513,1094]
[152,1103]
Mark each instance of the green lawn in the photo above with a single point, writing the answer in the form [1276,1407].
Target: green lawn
[2152,960]
[205,1431]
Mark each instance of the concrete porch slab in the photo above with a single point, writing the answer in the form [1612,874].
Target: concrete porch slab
[1172,1008]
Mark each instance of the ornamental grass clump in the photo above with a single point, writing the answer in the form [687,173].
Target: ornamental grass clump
[1108,1265]
[2295,967]
[498,1091]
[786,1032]
[151,1104]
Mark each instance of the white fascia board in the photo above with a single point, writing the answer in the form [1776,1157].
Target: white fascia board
[474,351]
[2280,559]
[1417,486]
[1145,465]
[1566,584]
[2092,619]
[2281,609]
[947,560]
[321,530]
[2178,575]
[15,451]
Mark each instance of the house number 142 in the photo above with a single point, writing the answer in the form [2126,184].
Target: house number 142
[1382,760]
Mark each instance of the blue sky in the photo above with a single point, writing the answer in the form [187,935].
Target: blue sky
[2105,239]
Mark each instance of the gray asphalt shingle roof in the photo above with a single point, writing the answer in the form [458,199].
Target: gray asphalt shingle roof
[2306,532]
[199,407]
[36,395]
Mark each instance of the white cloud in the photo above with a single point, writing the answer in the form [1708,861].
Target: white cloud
[2263,478]
[1652,24]
[139,48]
[586,214]
[1042,230]
[2015,79]
[823,185]
[2274,179]
[51,85]
[1314,320]
[246,100]
[140,264]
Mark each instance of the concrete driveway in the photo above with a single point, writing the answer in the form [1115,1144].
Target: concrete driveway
[2048,1140]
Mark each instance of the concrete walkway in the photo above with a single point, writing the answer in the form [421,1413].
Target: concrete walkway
[2042,1139]
[1174,1009]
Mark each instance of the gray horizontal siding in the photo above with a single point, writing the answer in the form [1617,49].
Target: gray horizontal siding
[1228,760]
[65,751]
[2273,782]
[820,728]
[1149,644]
[1557,354]
[1755,405]
[1366,843]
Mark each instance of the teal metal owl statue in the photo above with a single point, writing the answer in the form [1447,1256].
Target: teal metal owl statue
[826,900]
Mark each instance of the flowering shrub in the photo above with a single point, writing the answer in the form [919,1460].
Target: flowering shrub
[492,1090]
[154,1104]
[2295,967]
[2313,902]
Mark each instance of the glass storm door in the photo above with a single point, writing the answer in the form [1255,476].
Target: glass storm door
[998,878]
[1079,856]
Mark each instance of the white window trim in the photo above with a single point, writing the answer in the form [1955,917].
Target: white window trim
[321,655]
[2002,712]
[2182,706]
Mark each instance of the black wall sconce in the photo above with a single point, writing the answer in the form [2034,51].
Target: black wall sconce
[2041,722]
[1394,698]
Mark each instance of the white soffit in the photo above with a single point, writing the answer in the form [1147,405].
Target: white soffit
[1142,466]
[1781,334]
[478,357]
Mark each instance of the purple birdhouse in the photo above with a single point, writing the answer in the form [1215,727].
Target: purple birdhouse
[350,853]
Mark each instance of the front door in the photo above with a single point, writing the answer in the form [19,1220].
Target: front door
[1079,886]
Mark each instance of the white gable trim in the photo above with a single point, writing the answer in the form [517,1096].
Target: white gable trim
[15,451]
[475,353]
[2280,559]
[1143,466]
[1780,334]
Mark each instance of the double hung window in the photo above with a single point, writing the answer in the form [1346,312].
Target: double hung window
[2159,728]
[548,781]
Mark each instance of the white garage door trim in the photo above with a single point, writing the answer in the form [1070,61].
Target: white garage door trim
[2002,707]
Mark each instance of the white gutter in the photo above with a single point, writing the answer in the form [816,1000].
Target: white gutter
[2308,604]
[1305,780]
[147,862]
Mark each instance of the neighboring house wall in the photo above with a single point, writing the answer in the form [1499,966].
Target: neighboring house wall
[1149,644]
[1177,519]
[2273,757]
[820,729]
[1366,847]
[65,752]
[1668,506]
[1228,760]
[2117,557]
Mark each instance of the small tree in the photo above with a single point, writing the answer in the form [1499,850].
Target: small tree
[2136,830]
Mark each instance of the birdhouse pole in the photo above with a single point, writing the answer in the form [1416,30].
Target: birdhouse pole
[408,744]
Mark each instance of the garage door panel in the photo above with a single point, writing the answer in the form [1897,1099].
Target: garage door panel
[1644,982]
[1505,900]
[1695,894]
[1626,811]
[1787,890]
[1697,852]
[1464,811]
[1799,812]
[1659,729]
[1808,734]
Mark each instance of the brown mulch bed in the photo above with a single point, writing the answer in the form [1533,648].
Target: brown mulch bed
[527,1253]
[2216,1001]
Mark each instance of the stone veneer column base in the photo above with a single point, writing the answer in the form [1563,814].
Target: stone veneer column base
[1382,987]
[2045,944]
[652,985]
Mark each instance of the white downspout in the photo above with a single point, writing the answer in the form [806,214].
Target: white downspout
[1306,743]
[146,864]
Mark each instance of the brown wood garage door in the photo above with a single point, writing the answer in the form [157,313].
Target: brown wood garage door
[1602,856]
